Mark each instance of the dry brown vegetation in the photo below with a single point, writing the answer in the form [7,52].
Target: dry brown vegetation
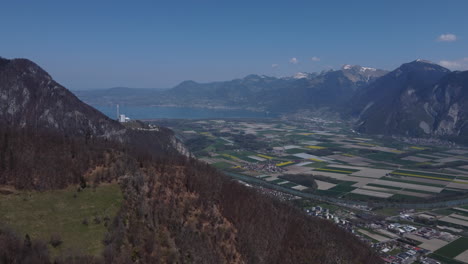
[176,210]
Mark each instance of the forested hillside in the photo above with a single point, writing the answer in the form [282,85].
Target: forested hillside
[175,209]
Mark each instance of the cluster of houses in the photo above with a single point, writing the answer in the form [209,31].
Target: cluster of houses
[263,167]
[325,214]
[277,195]
[392,251]
[396,251]
[401,229]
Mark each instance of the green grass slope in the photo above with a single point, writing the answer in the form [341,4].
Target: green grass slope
[62,212]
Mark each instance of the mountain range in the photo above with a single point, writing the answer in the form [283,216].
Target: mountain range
[175,209]
[258,92]
[418,99]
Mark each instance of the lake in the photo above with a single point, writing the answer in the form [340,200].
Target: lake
[147,112]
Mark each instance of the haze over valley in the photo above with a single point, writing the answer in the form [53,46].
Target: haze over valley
[418,99]
[235,132]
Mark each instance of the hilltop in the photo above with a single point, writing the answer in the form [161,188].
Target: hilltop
[174,208]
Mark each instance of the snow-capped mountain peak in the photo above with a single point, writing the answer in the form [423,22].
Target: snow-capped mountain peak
[358,68]
[363,69]
[425,61]
[300,75]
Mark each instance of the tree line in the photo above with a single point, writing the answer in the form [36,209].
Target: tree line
[175,210]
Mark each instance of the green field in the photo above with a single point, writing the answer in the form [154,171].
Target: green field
[328,193]
[222,165]
[343,187]
[295,151]
[445,260]
[453,249]
[454,210]
[387,211]
[423,175]
[412,182]
[42,214]
[240,155]
[382,156]
[405,198]
[448,211]
[317,164]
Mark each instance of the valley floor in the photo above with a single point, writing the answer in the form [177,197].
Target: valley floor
[327,162]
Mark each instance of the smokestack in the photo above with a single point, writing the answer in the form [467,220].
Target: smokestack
[118,112]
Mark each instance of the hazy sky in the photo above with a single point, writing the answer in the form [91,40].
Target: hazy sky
[86,44]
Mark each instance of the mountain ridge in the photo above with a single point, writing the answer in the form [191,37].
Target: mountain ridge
[398,102]
[24,83]
[418,99]
[29,97]
[265,93]
[175,208]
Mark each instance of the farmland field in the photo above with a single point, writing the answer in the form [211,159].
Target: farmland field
[343,164]
[453,249]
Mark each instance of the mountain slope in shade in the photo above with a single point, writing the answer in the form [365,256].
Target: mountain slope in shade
[330,89]
[417,99]
[303,90]
[448,106]
[30,97]
[414,75]
[175,209]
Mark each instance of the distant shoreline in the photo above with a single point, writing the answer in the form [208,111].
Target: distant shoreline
[180,112]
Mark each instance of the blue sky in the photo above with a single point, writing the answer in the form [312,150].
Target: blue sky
[157,44]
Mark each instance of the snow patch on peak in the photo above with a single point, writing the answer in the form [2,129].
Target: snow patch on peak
[357,67]
[300,75]
[425,61]
[364,69]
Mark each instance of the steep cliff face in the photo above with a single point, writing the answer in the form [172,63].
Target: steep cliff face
[417,99]
[30,97]
[448,105]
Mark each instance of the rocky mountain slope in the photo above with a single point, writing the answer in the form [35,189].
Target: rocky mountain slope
[418,99]
[30,98]
[175,209]
[329,89]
